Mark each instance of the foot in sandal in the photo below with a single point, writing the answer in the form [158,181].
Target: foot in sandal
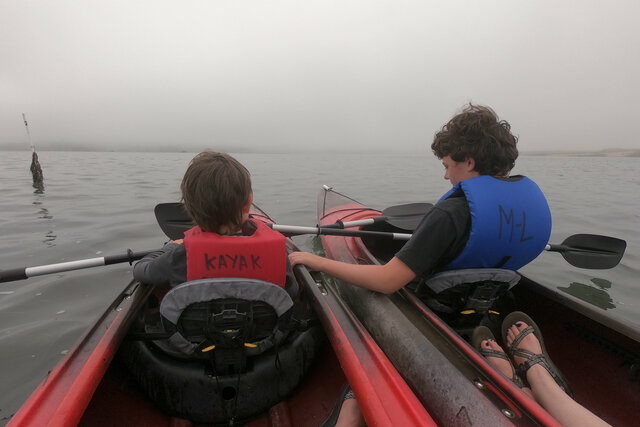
[484,341]
[525,344]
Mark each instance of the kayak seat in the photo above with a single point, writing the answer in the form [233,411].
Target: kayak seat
[469,297]
[225,319]
[219,349]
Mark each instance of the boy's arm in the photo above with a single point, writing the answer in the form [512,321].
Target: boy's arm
[157,267]
[386,278]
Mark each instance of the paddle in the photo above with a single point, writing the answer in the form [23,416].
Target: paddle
[406,217]
[580,250]
[590,251]
[40,270]
[174,220]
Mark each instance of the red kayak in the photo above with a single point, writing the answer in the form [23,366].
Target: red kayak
[598,353]
[123,373]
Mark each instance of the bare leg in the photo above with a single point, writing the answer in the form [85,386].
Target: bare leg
[545,389]
[350,414]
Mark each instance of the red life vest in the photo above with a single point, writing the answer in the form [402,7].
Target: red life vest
[262,255]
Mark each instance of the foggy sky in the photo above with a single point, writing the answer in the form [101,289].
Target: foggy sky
[358,75]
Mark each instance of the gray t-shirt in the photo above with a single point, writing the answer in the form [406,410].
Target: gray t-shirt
[439,238]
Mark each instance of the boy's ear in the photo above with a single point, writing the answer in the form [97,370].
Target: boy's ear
[470,163]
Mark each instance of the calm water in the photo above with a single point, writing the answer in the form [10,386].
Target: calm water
[97,204]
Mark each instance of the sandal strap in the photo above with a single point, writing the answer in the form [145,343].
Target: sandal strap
[517,380]
[523,333]
[540,359]
[488,352]
[525,354]
[534,359]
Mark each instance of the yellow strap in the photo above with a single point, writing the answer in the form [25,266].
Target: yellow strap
[473,311]
[248,344]
[211,347]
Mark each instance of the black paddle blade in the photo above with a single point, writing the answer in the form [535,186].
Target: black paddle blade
[592,251]
[173,219]
[406,216]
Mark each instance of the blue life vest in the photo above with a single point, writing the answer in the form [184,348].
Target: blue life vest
[510,223]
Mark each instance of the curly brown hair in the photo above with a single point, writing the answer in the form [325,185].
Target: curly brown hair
[215,188]
[478,133]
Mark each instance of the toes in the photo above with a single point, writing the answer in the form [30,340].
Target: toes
[492,344]
[520,326]
[502,365]
[513,331]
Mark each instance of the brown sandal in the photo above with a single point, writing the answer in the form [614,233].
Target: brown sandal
[530,357]
[482,333]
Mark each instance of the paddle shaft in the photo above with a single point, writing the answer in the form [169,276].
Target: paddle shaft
[357,223]
[564,248]
[40,270]
[296,230]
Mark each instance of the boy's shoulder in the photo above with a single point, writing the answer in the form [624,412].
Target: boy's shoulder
[456,202]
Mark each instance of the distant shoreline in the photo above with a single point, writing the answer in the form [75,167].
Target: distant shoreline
[609,152]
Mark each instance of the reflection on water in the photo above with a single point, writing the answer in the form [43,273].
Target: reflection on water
[39,187]
[598,297]
[43,213]
[49,239]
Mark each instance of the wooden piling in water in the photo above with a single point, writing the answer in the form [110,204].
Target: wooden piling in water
[36,169]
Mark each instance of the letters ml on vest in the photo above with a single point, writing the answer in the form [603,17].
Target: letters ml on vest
[510,222]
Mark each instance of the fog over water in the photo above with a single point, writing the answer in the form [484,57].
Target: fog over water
[287,75]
